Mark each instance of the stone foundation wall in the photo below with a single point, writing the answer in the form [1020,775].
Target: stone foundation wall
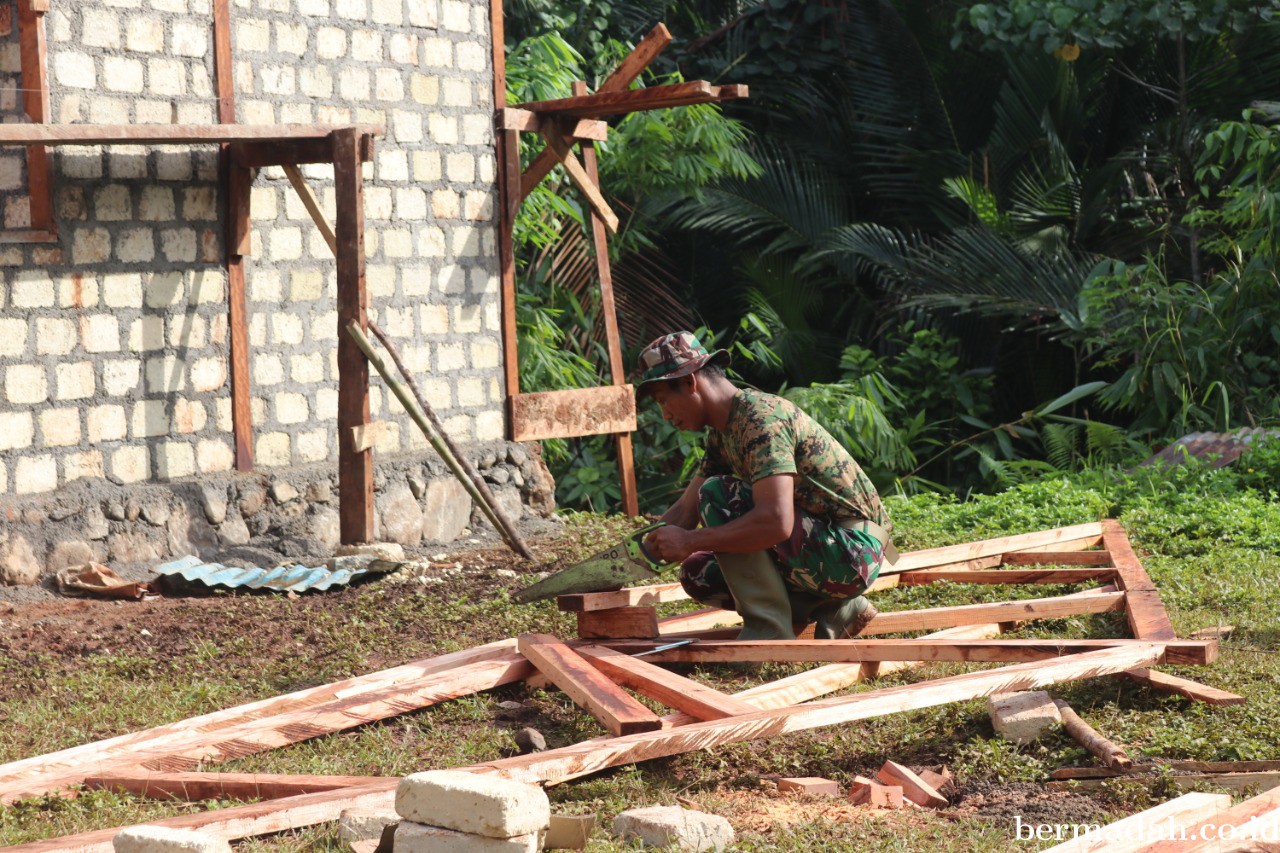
[292,513]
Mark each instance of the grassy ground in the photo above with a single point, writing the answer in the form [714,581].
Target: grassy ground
[76,672]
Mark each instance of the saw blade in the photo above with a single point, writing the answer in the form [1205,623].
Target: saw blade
[611,569]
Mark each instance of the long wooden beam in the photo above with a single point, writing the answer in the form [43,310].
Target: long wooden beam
[44,773]
[560,765]
[1184,652]
[1261,814]
[578,174]
[621,79]
[169,134]
[1167,683]
[999,576]
[1129,834]
[259,155]
[1002,611]
[674,691]
[312,204]
[612,706]
[1147,617]
[33,50]
[195,787]
[1060,558]
[238,821]
[636,100]
[999,546]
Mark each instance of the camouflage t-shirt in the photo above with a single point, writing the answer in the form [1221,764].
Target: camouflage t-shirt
[768,435]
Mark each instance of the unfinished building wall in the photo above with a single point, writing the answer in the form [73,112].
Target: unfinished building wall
[114,341]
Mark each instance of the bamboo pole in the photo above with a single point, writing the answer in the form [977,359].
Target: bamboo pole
[458,464]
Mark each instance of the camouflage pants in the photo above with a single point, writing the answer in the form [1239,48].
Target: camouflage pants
[819,557]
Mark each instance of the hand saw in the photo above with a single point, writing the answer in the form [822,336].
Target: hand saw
[610,569]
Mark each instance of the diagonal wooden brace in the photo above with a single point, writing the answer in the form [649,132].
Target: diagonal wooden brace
[312,204]
[553,133]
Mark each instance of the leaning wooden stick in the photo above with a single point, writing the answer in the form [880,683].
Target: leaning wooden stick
[457,463]
[1087,736]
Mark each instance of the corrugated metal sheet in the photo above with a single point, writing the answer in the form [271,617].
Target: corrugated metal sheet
[295,578]
[1222,447]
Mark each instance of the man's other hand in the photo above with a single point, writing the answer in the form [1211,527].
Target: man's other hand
[670,544]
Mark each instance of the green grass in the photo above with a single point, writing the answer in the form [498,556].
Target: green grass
[1209,539]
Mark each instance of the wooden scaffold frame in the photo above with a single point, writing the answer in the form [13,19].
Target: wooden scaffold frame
[597,672]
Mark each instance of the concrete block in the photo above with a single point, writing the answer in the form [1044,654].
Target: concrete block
[422,838]
[569,832]
[1023,717]
[161,839]
[673,826]
[361,824]
[469,803]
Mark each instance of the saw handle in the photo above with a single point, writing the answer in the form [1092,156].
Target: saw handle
[637,539]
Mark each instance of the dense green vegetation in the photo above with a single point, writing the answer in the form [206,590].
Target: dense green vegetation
[981,242]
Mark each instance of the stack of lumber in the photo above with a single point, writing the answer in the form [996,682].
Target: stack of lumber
[600,673]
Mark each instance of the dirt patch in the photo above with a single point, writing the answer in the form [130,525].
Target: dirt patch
[1000,802]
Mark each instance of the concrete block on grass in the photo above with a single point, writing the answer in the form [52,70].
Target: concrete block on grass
[569,832]
[467,802]
[414,837]
[162,839]
[673,826]
[361,824]
[1023,717]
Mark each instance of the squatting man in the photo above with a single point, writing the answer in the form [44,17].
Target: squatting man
[780,524]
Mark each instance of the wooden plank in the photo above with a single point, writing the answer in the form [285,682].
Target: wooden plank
[1134,831]
[560,765]
[811,785]
[618,622]
[1147,617]
[613,343]
[367,436]
[239,192]
[238,327]
[1187,652]
[33,50]
[931,558]
[630,597]
[259,155]
[697,620]
[578,174]
[513,118]
[168,134]
[605,103]
[572,413]
[40,774]
[1186,781]
[1167,683]
[675,691]
[239,821]
[1060,558]
[613,707]
[1254,820]
[622,77]
[1004,611]
[312,204]
[355,468]
[509,195]
[913,787]
[1010,576]
[222,62]
[194,787]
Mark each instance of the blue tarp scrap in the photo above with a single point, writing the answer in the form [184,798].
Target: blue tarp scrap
[295,578]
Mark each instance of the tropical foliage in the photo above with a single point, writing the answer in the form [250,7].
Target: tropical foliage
[931,223]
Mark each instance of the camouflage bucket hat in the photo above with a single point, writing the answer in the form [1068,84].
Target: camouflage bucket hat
[672,356]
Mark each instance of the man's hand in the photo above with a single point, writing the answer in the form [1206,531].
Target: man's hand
[670,544]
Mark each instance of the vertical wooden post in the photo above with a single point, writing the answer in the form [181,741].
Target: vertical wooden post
[355,467]
[234,185]
[507,150]
[617,370]
[35,101]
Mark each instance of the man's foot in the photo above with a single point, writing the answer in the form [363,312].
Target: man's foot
[842,620]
